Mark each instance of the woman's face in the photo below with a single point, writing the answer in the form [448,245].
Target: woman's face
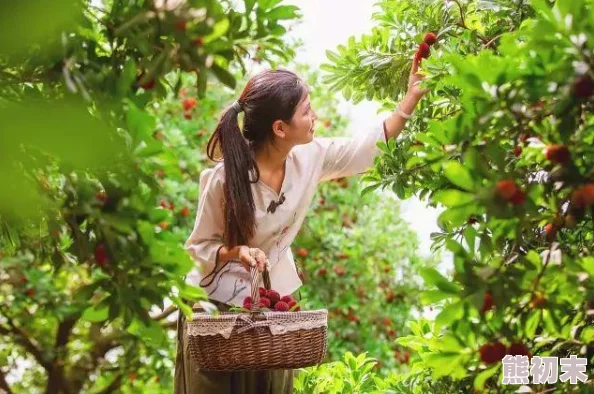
[301,127]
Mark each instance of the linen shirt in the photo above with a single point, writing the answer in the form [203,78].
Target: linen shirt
[306,165]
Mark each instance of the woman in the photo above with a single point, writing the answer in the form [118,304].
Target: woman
[253,203]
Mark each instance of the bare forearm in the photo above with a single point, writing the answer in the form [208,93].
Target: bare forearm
[226,254]
[395,123]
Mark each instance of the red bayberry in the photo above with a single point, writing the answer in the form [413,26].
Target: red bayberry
[262,291]
[506,189]
[558,154]
[588,193]
[518,151]
[30,292]
[518,349]
[199,41]
[423,51]
[302,252]
[578,199]
[518,198]
[187,115]
[265,302]
[273,296]
[339,270]
[430,38]
[146,85]
[189,103]
[248,300]
[100,254]
[583,87]
[101,196]
[550,230]
[248,305]
[487,302]
[185,211]
[538,301]
[287,299]
[292,304]
[322,272]
[492,352]
[181,25]
[281,306]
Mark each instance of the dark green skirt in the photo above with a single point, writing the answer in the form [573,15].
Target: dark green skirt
[189,380]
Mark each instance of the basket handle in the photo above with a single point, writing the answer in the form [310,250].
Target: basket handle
[254,276]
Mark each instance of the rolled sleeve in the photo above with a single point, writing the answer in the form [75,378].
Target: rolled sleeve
[345,156]
[207,235]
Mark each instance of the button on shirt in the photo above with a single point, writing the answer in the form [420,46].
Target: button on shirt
[306,165]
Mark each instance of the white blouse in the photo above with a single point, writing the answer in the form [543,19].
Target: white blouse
[306,166]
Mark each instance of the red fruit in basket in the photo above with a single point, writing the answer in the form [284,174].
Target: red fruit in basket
[247,306]
[265,302]
[287,299]
[262,291]
[248,300]
[273,296]
[430,38]
[292,304]
[281,306]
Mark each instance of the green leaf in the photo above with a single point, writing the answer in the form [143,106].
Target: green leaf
[481,378]
[219,29]
[459,175]
[223,75]
[96,313]
[283,12]
[452,197]
[449,314]
[433,278]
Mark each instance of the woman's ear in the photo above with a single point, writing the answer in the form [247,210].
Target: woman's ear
[279,128]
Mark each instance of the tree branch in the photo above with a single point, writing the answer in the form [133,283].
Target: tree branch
[113,386]
[4,387]
[167,312]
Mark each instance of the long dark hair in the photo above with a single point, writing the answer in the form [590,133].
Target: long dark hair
[268,96]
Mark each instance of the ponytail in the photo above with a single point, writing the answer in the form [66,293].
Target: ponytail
[240,163]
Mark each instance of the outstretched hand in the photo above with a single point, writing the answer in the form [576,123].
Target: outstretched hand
[415,79]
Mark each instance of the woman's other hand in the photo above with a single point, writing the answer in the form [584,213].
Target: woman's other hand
[250,257]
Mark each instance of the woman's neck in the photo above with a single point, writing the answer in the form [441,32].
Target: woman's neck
[271,158]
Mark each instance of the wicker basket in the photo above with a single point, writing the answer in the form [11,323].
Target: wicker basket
[257,340]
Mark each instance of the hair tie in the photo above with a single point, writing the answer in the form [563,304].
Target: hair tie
[237,107]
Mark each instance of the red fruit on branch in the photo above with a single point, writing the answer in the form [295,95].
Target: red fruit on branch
[430,38]
[506,189]
[189,103]
[187,115]
[583,87]
[185,211]
[181,25]
[146,85]
[518,198]
[322,272]
[281,306]
[302,252]
[518,151]
[101,196]
[339,270]
[538,301]
[199,41]
[30,292]
[550,230]
[100,255]
[588,193]
[487,302]
[578,199]
[492,352]
[518,349]
[558,154]
[570,221]
[423,51]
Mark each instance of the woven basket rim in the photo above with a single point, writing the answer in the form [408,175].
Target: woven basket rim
[293,314]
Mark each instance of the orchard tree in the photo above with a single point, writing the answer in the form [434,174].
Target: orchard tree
[89,247]
[503,143]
